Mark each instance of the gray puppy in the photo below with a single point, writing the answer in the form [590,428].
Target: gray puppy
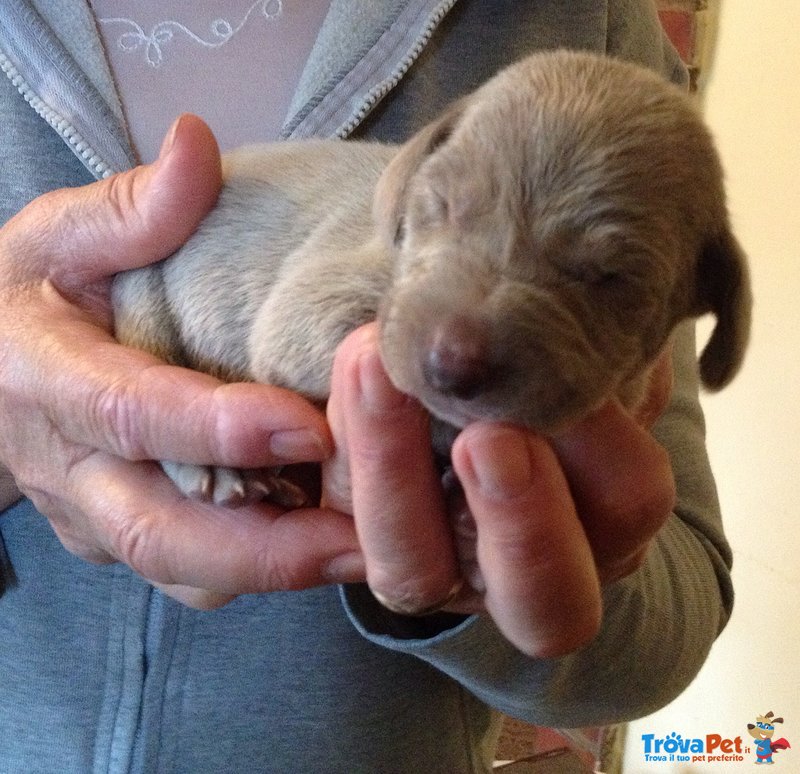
[527,256]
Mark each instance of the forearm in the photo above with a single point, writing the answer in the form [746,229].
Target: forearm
[658,627]
[654,639]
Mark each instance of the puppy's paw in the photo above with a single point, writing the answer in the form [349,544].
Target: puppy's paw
[465,533]
[233,487]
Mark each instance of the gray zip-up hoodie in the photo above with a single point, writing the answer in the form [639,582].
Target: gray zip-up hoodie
[100,673]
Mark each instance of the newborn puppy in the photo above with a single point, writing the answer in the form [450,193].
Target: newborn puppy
[527,256]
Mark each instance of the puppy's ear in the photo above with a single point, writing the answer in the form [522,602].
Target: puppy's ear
[391,191]
[723,288]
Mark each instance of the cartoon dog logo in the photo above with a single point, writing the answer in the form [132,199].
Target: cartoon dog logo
[762,732]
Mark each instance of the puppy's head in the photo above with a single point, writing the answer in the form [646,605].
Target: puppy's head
[549,232]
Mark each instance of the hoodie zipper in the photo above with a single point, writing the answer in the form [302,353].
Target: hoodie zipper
[377,93]
[65,129]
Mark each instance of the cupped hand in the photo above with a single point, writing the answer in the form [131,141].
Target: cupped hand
[82,416]
[550,520]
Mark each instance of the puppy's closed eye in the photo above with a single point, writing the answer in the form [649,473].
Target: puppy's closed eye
[596,275]
[608,261]
[430,210]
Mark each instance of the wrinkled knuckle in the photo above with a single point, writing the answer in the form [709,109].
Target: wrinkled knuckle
[226,433]
[121,201]
[117,418]
[513,548]
[131,541]
[268,572]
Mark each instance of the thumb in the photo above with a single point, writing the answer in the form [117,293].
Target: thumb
[129,220]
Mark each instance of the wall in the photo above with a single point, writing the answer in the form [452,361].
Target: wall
[752,102]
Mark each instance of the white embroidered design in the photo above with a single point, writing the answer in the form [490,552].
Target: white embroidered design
[164,32]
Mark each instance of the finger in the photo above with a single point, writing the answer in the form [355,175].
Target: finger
[383,439]
[658,392]
[537,566]
[131,404]
[622,482]
[139,519]
[86,234]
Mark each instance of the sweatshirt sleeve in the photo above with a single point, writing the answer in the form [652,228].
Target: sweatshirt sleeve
[634,32]
[660,622]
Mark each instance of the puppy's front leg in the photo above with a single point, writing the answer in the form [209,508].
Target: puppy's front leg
[143,320]
[141,314]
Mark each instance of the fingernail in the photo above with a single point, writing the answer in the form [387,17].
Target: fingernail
[169,140]
[347,568]
[377,391]
[407,607]
[298,446]
[501,463]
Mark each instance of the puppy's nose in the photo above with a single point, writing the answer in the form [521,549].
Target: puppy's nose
[456,360]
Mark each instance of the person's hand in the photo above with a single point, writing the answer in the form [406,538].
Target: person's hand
[550,520]
[81,416]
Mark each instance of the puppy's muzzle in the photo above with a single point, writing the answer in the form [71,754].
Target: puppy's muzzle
[456,359]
